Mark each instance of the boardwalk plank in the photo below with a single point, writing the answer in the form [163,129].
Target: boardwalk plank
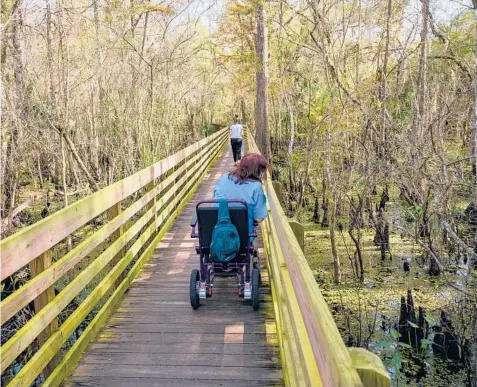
[174,382]
[192,338]
[146,327]
[187,359]
[183,347]
[181,372]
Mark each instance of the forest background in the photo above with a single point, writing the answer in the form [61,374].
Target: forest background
[371,129]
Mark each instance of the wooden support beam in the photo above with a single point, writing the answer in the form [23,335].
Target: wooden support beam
[37,266]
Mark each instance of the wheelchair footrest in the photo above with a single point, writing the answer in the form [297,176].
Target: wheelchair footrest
[202,290]
[247,291]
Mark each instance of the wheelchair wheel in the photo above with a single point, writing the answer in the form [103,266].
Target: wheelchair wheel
[255,289]
[256,265]
[194,288]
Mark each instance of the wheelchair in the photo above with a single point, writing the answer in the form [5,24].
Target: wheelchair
[245,267]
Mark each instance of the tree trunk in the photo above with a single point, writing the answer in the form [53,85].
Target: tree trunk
[49,62]
[334,251]
[331,184]
[97,122]
[6,9]
[69,243]
[243,107]
[291,143]
[99,53]
[358,46]
[474,120]
[12,147]
[77,157]
[316,211]
[421,77]
[324,204]
[383,88]
[434,268]
[359,252]
[356,223]
[301,193]
[381,238]
[263,137]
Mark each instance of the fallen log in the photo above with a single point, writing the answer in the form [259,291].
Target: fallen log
[7,222]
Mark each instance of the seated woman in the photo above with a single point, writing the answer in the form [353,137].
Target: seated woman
[245,183]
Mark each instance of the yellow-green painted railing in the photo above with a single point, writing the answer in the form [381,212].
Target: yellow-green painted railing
[312,350]
[140,210]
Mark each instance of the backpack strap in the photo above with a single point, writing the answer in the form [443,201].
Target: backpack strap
[224,214]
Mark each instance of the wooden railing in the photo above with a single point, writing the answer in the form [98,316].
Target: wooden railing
[312,350]
[139,211]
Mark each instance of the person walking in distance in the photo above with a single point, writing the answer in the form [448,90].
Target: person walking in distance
[236,139]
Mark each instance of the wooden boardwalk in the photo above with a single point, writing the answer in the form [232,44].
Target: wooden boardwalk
[156,339]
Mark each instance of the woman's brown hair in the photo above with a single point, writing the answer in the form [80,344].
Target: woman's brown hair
[250,167]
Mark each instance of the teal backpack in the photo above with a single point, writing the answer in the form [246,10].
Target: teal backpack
[225,243]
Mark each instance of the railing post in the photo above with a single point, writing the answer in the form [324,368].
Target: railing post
[113,212]
[152,204]
[370,368]
[299,232]
[163,176]
[177,181]
[37,266]
[278,187]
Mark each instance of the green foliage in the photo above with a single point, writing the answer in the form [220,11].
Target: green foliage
[6,9]
[458,212]
[208,129]
[425,343]
[414,212]
[393,360]
[431,321]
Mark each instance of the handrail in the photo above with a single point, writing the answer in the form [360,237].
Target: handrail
[312,350]
[24,246]
[156,195]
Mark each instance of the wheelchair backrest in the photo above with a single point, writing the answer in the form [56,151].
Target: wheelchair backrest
[207,219]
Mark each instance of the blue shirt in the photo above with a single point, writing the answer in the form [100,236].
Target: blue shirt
[250,191]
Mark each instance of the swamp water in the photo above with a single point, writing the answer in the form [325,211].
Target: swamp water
[367,314]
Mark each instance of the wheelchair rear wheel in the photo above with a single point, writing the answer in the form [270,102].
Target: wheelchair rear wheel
[255,289]
[194,288]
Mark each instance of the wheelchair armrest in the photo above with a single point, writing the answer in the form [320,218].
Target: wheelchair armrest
[193,221]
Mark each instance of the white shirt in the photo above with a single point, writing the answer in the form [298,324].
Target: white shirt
[236,131]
